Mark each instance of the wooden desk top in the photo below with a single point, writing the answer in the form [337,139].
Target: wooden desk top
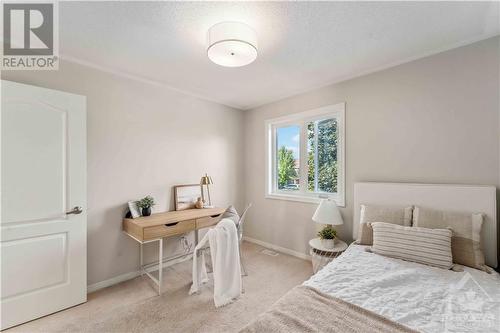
[174,216]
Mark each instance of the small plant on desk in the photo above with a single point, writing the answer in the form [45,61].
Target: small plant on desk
[145,204]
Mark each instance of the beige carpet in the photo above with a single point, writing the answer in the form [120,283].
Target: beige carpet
[133,306]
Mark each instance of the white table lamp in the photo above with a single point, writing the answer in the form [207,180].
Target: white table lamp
[329,214]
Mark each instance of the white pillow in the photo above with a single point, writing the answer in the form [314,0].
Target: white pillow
[466,240]
[426,246]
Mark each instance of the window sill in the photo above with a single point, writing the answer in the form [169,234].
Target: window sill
[302,198]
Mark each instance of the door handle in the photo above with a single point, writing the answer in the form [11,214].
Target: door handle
[76,210]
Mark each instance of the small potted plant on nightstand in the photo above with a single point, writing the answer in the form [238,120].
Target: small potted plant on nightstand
[327,236]
[145,204]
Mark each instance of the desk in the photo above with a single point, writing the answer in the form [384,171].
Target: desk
[154,228]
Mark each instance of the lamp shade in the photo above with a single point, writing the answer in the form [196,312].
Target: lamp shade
[206,180]
[232,44]
[328,213]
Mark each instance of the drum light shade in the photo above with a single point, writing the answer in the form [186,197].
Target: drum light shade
[232,44]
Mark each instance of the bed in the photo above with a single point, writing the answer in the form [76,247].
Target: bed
[364,292]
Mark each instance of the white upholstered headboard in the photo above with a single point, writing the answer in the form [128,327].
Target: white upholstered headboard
[462,198]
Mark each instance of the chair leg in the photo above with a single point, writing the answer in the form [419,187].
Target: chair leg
[210,267]
[243,269]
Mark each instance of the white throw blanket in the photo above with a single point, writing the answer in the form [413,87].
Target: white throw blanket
[223,241]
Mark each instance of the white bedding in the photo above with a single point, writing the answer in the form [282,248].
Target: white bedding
[425,298]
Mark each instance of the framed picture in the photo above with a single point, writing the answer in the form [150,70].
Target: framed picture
[185,196]
[134,209]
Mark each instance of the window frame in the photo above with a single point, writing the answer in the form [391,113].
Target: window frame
[301,119]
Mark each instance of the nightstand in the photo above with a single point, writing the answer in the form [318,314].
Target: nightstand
[321,256]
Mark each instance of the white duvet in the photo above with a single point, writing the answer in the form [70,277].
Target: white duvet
[424,298]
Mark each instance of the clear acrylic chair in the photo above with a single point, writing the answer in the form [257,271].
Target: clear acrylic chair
[240,237]
[239,230]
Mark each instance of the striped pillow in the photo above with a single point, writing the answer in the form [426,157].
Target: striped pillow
[426,246]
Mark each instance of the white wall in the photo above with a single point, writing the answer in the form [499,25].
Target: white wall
[143,139]
[434,120]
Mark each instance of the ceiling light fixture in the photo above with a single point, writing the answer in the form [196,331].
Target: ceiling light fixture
[232,44]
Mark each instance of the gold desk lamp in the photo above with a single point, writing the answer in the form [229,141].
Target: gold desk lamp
[206,180]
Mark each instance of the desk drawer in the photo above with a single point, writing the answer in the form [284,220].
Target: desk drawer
[169,230]
[208,221]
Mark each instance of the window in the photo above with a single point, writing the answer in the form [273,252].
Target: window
[306,155]
[287,158]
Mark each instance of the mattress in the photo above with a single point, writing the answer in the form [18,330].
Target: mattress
[424,298]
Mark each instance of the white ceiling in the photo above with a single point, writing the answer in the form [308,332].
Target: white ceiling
[302,45]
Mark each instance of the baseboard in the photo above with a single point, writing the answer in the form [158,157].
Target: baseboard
[109,282]
[130,275]
[277,248]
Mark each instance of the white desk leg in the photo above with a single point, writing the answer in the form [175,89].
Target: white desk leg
[196,236]
[160,266]
[142,269]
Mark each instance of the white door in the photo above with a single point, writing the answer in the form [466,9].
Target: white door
[43,238]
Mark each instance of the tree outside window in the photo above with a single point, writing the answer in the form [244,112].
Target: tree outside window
[288,138]
[287,174]
[322,156]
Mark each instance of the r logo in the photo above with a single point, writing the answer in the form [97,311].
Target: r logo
[28,29]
